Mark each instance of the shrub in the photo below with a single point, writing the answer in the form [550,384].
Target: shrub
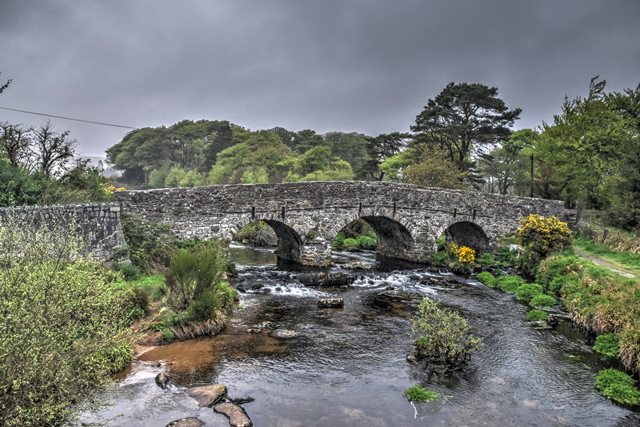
[62,328]
[443,334]
[527,291]
[535,315]
[618,386]
[542,300]
[363,242]
[540,237]
[487,278]
[466,255]
[128,270]
[607,344]
[417,393]
[552,271]
[509,283]
[192,272]
[486,259]
[439,259]
[149,245]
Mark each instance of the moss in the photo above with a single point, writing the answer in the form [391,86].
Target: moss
[535,315]
[417,393]
[607,344]
[618,386]
[542,300]
[527,291]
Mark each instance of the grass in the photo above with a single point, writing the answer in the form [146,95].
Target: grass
[618,386]
[535,315]
[487,279]
[624,260]
[527,291]
[542,300]
[153,285]
[607,344]
[509,284]
[417,393]
[366,242]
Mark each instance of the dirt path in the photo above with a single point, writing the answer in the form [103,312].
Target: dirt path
[604,263]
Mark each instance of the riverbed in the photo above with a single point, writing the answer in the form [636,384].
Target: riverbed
[307,366]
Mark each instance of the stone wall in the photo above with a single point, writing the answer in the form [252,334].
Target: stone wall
[98,225]
[408,219]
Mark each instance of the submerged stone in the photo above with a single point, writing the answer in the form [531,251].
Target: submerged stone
[237,416]
[186,422]
[284,333]
[208,395]
[331,302]
[241,400]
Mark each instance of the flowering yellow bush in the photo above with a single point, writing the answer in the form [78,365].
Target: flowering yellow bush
[544,235]
[109,188]
[466,255]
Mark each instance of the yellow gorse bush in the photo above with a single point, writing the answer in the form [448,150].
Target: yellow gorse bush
[544,235]
[466,255]
[110,188]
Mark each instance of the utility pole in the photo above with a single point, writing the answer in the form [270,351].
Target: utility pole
[531,194]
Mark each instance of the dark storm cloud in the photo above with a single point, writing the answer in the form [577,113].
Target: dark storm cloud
[357,65]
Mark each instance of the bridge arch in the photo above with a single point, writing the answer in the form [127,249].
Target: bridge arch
[289,246]
[467,233]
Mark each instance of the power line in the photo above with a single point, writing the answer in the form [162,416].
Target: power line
[68,118]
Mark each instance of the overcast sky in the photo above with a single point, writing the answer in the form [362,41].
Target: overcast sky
[349,65]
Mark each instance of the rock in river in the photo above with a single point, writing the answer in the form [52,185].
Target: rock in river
[163,380]
[186,422]
[237,416]
[284,334]
[208,395]
[330,302]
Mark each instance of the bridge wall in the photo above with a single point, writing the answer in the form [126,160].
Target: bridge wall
[98,225]
[318,211]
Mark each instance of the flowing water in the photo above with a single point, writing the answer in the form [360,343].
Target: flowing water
[348,367]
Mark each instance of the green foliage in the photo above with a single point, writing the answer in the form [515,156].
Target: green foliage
[630,261]
[509,284]
[128,270]
[542,300]
[527,291]
[536,315]
[317,164]
[618,386]
[439,259]
[192,273]
[443,335]
[149,244]
[364,242]
[487,279]
[486,259]
[63,327]
[607,344]
[435,170]
[417,393]
[598,300]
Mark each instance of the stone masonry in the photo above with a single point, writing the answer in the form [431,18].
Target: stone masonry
[306,216]
[98,225]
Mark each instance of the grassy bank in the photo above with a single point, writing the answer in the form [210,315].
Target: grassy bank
[624,260]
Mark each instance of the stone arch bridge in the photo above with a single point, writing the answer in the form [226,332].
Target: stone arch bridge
[306,216]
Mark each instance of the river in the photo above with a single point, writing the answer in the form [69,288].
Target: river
[347,367]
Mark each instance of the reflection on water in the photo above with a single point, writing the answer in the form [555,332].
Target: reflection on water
[347,367]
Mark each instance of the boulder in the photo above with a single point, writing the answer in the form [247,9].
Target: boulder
[163,380]
[186,422]
[331,302]
[237,416]
[208,395]
[284,334]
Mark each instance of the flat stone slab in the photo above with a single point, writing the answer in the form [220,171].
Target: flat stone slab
[208,395]
[186,422]
[237,416]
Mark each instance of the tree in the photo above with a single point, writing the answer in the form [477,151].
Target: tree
[52,149]
[351,147]
[464,118]
[380,148]
[15,143]
[317,164]
[435,170]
